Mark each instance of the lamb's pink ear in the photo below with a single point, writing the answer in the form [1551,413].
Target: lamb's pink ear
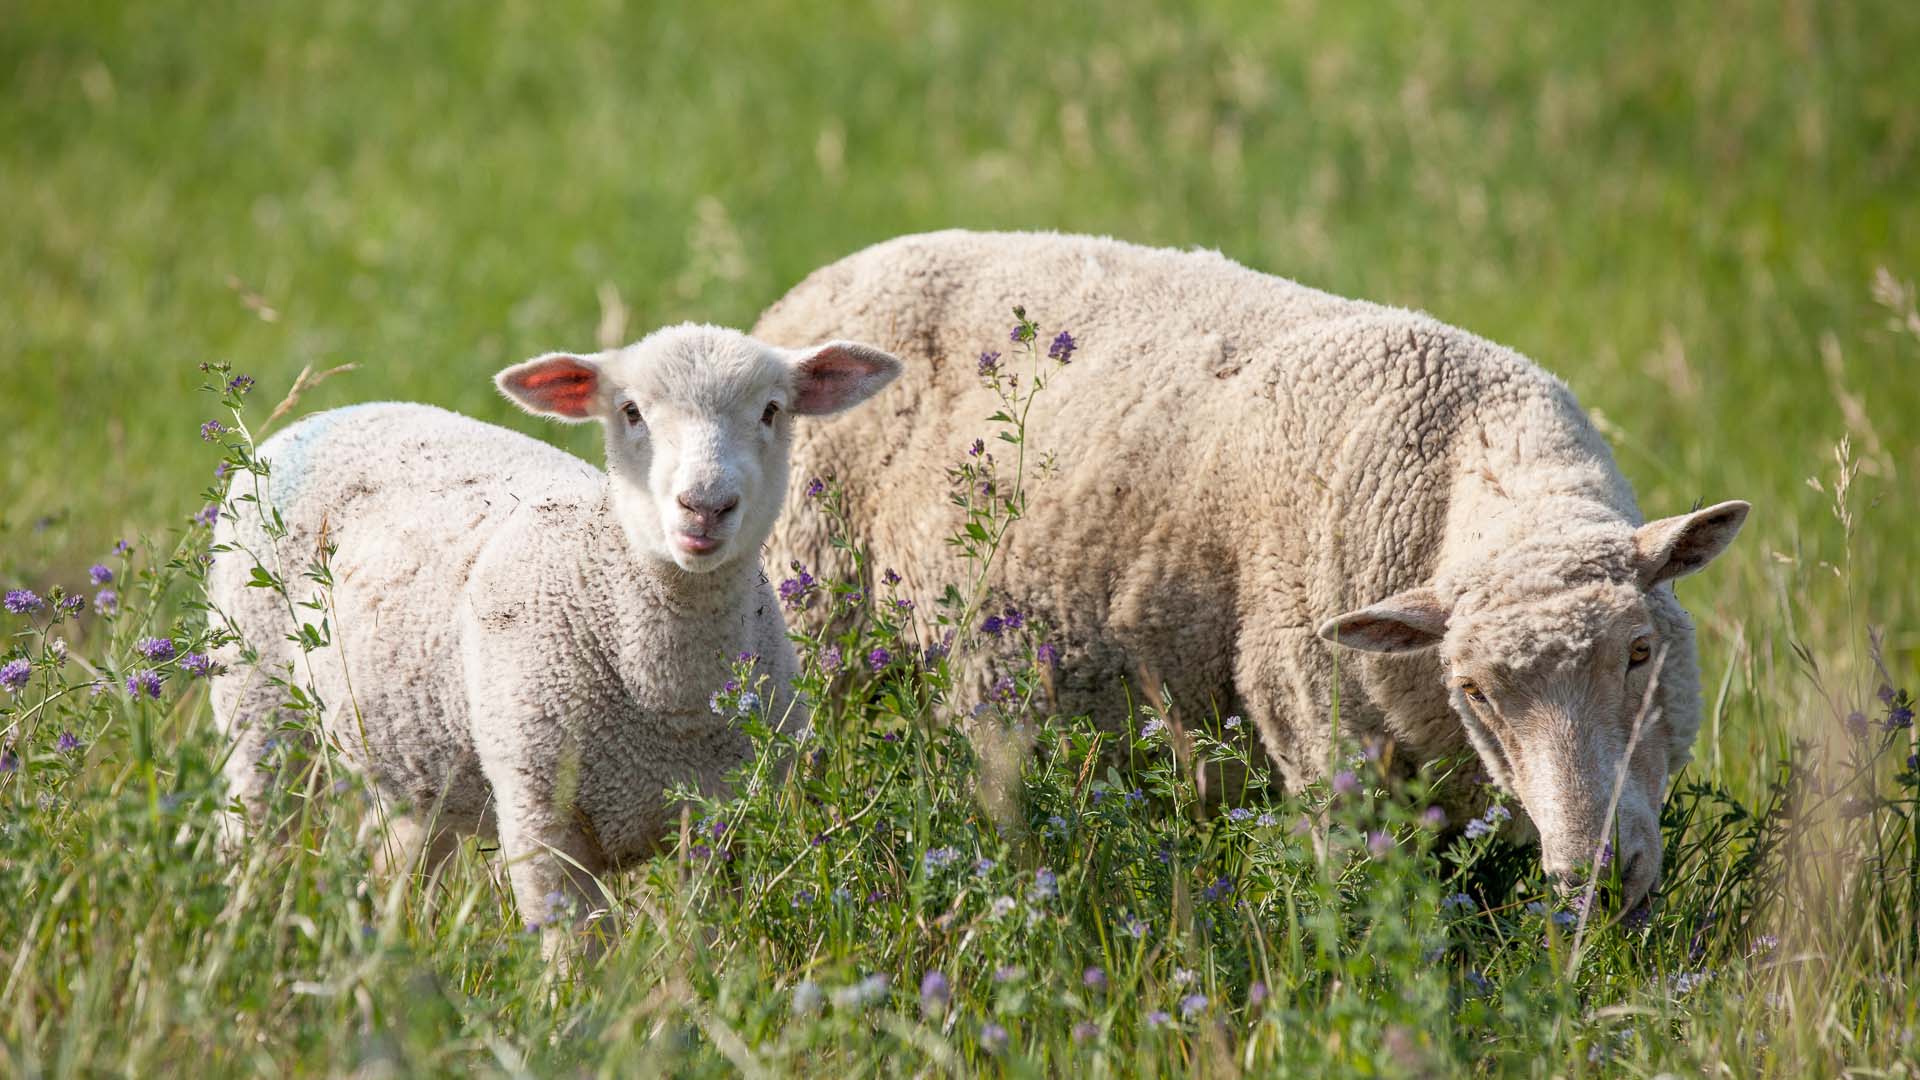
[1677,546]
[1404,622]
[557,384]
[839,375]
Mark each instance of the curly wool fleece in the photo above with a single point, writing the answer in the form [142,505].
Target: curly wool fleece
[1241,459]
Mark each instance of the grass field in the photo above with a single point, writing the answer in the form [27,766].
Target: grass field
[1704,217]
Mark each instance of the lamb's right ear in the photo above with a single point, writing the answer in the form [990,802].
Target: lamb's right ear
[839,375]
[558,384]
[1404,622]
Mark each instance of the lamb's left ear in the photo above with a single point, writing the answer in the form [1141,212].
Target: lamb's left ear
[1404,622]
[558,385]
[1677,546]
[838,375]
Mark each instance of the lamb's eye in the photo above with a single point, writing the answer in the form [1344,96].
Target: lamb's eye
[1641,652]
[1472,690]
[632,412]
[772,410]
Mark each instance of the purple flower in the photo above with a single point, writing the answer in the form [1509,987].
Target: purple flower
[157,649]
[1046,885]
[879,658]
[979,447]
[1062,348]
[1857,724]
[1220,889]
[993,626]
[1192,1005]
[1231,723]
[1046,654]
[1379,842]
[816,488]
[106,601]
[14,674]
[935,992]
[1152,727]
[23,601]
[1239,813]
[121,547]
[890,578]
[940,858]
[1159,1018]
[993,1037]
[68,743]
[1085,1031]
[8,763]
[101,573]
[143,681]
[1345,783]
[212,430]
[1901,716]
[831,660]
[72,604]
[208,514]
[1015,620]
[239,384]
[1457,900]
[794,590]
[1019,335]
[989,363]
[1257,994]
[1094,979]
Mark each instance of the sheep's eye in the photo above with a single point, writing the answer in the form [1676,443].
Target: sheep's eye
[1642,651]
[1472,690]
[632,412]
[772,409]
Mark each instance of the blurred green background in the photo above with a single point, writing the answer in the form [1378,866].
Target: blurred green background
[1679,208]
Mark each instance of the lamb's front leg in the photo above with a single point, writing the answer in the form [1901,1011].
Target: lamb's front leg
[554,867]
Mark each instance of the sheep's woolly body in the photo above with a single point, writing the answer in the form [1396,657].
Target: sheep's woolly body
[1240,459]
[499,653]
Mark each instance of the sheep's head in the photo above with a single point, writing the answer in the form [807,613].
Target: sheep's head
[698,422]
[1556,656]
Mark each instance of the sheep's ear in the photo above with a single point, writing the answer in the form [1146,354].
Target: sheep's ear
[839,375]
[1677,546]
[557,384]
[1404,622]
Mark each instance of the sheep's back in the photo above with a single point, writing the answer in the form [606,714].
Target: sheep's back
[407,496]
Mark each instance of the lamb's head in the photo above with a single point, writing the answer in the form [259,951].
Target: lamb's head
[1571,667]
[698,423]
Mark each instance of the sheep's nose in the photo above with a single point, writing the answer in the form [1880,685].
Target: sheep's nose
[707,508]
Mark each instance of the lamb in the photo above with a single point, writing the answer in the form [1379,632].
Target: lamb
[522,646]
[1249,471]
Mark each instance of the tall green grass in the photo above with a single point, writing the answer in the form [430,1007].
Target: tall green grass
[1685,212]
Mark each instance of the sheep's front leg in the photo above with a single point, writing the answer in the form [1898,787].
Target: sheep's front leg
[554,868]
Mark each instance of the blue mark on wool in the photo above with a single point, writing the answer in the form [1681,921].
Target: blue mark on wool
[291,452]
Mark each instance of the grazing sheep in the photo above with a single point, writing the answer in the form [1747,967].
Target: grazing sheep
[521,645]
[1249,470]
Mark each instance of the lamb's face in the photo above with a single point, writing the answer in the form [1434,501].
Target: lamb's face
[1554,657]
[698,425]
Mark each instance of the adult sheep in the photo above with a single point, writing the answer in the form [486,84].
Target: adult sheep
[520,644]
[1251,470]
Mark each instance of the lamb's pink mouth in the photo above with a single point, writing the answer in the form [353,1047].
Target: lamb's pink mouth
[696,545]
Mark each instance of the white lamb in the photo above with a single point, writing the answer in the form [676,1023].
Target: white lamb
[1249,468]
[521,644]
